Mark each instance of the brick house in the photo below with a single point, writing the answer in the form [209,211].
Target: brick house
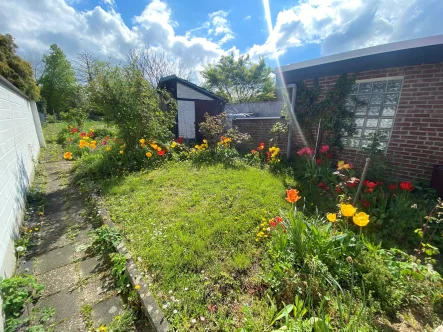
[402,85]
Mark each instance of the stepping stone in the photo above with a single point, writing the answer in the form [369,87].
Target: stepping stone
[26,265]
[92,266]
[54,259]
[58,279]
[104,312]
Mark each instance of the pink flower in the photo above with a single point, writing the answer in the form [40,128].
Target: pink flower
[324,149]
[305,151]
[104,142]
[319,161]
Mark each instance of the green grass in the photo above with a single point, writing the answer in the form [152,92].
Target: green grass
[193,231]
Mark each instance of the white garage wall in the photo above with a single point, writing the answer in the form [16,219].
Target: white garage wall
[186,119]
[20,141]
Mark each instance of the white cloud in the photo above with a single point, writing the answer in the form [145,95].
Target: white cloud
[342,25]
[247,18]
[37,24]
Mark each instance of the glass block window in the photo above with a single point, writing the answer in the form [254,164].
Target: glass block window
[374,105]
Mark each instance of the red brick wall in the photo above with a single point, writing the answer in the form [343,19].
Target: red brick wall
[417,137]
[259,129]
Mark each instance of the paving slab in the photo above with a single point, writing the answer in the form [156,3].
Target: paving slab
[105,311]
[54,259]
[97,289]
[58,279]
[92,266]
[67,315]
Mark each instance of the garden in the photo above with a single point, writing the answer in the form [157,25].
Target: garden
[251,242]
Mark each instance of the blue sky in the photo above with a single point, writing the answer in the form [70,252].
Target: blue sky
[199,32]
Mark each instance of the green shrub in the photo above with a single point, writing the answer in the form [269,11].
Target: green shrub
[105,239]
[17,292]
[51,118]
[133,105]
[75,116]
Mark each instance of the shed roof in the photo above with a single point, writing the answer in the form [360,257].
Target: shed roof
[405,53]
[174,78]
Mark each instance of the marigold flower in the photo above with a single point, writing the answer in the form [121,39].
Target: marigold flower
[67,155]
[332,217]
[292,195]
[148,154]
[361,219]
[406,186]
[142,141]
[347,210]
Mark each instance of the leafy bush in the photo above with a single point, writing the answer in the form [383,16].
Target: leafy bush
[51,118]
[105,239]
[133,105]
[75,116]
[17,292]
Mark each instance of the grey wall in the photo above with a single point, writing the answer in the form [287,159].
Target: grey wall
[262,109]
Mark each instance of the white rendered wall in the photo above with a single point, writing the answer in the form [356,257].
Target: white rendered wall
[186,119]
[20,141]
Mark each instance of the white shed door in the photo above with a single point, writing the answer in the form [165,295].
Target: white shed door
[186,119]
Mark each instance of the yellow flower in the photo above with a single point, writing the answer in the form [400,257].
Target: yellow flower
[340,165]
[332,217]
[67,155]
[205,141]
[142,141]
[103,328]
[159,148]
[361,219]
[91,130]
[40,213]
[137,287]
[148,154]
[36,229]
[347,210]
[82,144]
[173,144]
[108,148]
[121,151]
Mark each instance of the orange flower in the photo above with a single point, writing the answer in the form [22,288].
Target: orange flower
[292,195]
[67,155]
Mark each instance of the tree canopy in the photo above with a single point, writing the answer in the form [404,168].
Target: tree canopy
[15,69]
[240,80]
[58,83]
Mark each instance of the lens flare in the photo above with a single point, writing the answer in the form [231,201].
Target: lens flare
[278,72]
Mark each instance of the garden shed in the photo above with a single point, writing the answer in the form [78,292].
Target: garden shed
[193,102]
[401,85]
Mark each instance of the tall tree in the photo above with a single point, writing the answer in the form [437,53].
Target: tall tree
[241,80]
[156,63]
[58,84]
[15,69]
[84,65]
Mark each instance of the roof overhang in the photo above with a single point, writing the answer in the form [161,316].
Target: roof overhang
[405,53]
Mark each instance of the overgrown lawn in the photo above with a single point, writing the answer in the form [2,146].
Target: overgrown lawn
[193,231]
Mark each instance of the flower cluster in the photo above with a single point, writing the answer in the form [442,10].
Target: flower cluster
[266,227]
[305,152]
[202,147]
[348,210]
[272,154]
[225,142]
[152,147]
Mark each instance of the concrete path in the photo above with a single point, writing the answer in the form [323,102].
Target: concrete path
[77,285]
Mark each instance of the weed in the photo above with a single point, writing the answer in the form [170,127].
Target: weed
[105,239]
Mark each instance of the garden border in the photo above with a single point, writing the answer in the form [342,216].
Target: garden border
[148,303]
